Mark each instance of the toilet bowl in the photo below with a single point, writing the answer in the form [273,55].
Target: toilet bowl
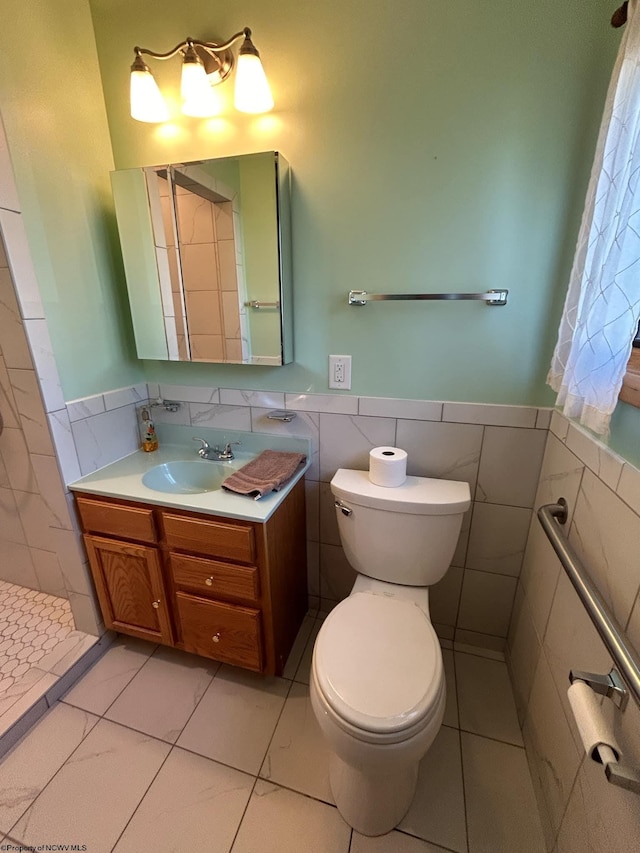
[377,681]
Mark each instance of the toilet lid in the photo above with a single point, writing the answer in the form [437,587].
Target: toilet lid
[378,662]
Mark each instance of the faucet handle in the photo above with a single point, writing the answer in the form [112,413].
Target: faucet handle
[204,446]
[227,447]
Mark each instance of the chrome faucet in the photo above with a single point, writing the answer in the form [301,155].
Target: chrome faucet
[215,454]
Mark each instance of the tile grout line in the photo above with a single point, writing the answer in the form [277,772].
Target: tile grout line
[464,790]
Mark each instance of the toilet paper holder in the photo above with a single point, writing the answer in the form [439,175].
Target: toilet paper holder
[612,686]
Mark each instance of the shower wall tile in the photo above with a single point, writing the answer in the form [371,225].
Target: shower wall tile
[8,192]
[45,364]
[17,564]
[10,526]
[15,455]
[19,261]
[12,332]
[8,406]
[33,419]
[510,466]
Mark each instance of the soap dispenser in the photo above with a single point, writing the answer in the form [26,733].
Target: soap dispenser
[148,431]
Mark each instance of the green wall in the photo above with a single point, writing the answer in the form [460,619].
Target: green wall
[434,146]
[53,109]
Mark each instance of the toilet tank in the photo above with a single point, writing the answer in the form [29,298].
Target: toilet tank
[405,534]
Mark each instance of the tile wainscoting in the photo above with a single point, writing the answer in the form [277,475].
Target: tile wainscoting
[482,444]
[551,634]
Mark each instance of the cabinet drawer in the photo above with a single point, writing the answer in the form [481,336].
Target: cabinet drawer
[125,522]
[221,631]
[213,538]
[210,578]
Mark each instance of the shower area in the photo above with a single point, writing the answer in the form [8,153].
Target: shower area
[41,562]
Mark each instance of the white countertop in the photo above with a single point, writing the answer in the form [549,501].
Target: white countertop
[123,479]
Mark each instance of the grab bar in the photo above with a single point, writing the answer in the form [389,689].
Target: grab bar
[491,297]
[551,516]
[257,304]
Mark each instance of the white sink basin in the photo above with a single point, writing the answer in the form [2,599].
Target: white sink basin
[186,477]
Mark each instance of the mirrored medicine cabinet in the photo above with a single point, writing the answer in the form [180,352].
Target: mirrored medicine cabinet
[207,256]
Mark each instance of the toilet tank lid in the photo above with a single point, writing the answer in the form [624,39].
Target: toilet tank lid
[416,496]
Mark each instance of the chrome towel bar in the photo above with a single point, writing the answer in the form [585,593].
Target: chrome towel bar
[491,297]
[551,517]
[257,304]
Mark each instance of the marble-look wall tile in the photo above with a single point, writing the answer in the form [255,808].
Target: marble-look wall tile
[540,572]
[47,569]
[491,415]
[17,564]
[12,333]
[330,403]
[10,526]
[510,465]
[391,407]
[329,533]
[572,642]
[134,394]
[45,364]
[336,575]
[346,441]
[8,192]
[312,503]
[305,424]
[554,758]
[219,416]
[523,652]
[559,425]
[33,420]
[19,257]
[543,420]
[86,616]
[17,462]
[85,407]
[442,450]
[258,399]
[65,446]
[629,486]
[8,406]
[444,597]
[486,602]
[606,533]
[104,438]
[498,538]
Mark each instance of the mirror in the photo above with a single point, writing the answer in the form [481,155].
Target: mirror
[207,257]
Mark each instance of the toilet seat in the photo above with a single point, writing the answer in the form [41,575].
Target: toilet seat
[378,665]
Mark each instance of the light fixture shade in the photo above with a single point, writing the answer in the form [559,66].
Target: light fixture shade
[147,103]
[198,98]
[252,92]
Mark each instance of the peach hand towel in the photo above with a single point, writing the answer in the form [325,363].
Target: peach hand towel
[268,472]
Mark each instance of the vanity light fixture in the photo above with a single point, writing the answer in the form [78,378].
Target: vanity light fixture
[204,65]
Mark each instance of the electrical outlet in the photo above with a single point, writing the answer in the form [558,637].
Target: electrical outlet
[340,372]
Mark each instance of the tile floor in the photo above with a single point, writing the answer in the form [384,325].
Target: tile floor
[155,750]
[32,623]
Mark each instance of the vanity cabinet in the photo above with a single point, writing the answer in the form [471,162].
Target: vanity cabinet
[227,589]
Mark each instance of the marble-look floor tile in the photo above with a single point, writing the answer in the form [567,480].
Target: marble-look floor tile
[393,842]
[236,718]
[486,699]
[91,798]
[303,673]
[501,807]
[281,821]
[193,804]
[26,771]
[163,695]
[298,755]
[298,648]
[108,677]
[437,812]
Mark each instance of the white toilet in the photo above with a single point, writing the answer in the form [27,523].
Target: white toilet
[377,680]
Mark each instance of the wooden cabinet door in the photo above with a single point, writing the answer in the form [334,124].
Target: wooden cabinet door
[130,589]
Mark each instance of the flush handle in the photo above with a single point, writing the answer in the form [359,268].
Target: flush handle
[344,509]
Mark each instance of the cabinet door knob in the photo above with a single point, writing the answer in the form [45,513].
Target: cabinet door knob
[155,604]
[216,637]
[209,581]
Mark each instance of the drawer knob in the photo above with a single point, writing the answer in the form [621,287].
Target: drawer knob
[216,637]
[209,581]
[155,604]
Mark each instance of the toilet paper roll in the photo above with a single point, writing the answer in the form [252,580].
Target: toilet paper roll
[387,466]
[594,729]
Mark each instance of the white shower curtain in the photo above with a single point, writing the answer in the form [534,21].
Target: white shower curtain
[603,302]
